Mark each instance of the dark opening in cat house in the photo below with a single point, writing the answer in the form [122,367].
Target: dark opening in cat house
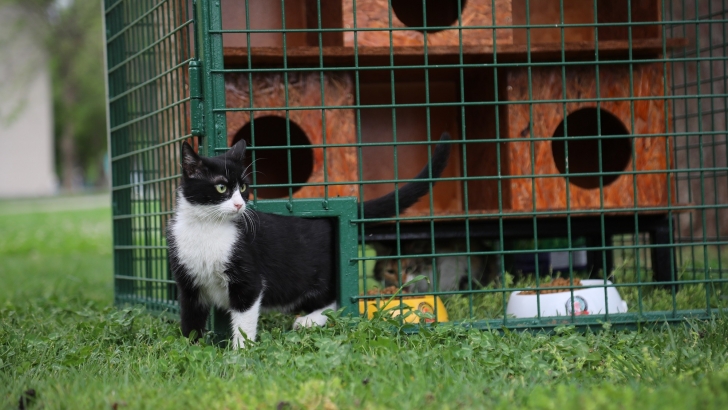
[271,132]
[331,157]
[476,15]
[434,14]
[592,155]
[640,126]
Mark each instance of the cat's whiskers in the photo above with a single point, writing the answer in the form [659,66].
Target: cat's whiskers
[247,174]
[246,168]
[209,213]
[199,213]
[249,222]
[251,173]
[245,222]
[252,222]
[213,215]
[253,227]
[221,217]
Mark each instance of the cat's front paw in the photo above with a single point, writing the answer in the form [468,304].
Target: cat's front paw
[239,341]
[310,320]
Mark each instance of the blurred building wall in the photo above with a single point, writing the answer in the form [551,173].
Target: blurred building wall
[26,112]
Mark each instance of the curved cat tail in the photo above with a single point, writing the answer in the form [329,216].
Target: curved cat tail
[385,206]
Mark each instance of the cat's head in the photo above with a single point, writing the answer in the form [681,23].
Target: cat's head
[217,186]
[387,271]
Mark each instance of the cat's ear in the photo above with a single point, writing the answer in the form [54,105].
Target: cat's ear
[237,151]
[192,165]
[416,247]
[380,248]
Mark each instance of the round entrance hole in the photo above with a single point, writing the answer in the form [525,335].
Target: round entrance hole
[272,164]
[439,12]
[584,153]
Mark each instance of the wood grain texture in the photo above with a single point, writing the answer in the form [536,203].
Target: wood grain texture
[482,157]
[651,152]
[264,15]
[375,14]
[267,15]
[473,54]
[304,89]
[611,11]
[330,17]
[548,12]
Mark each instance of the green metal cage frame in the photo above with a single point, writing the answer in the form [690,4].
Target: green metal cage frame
[166,76]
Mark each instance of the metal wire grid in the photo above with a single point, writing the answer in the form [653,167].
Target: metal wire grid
[633,254]
[699,114]
[148,48]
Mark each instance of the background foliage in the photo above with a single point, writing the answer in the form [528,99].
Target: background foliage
[70,33]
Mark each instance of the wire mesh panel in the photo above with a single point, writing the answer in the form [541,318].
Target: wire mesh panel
[148,47]
[699,113]
[587,177]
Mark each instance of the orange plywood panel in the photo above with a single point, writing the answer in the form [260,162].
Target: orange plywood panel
[549,12]
[378,125]
[409,13]
[306,128]
[531,153]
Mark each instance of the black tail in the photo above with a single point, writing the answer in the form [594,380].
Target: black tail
[385,206]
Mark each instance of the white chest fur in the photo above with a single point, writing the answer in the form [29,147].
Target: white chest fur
[204,248]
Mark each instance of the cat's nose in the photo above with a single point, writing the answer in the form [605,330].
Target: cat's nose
[238,206]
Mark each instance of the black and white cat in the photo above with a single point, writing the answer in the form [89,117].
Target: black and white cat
[227,255]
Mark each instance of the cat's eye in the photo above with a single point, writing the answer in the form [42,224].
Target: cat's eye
[221,188]
[243,188]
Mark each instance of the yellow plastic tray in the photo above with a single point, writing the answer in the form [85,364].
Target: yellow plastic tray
[425,304]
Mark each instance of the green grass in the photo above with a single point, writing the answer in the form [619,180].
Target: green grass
[61,337]
[47,251]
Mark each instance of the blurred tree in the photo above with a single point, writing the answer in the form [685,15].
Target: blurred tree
[71,32]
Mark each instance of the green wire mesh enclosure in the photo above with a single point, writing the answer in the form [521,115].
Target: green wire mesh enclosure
[588,145]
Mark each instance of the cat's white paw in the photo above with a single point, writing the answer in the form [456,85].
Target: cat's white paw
[238,341]
[315,318]
[245,324]
[310,320]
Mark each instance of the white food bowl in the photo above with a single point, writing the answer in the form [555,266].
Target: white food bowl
[588,300]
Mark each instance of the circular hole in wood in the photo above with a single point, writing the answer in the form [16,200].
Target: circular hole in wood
[271,165]
[439,12]
[584,153]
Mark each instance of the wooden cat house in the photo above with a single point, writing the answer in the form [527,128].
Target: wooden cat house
[582,17]
[632,150]
[475,16]
[268,15]
[309,130]
[317,135]
[454,23]
[518,147]
[628,128]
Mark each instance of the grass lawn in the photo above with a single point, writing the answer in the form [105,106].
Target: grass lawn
[62,338]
